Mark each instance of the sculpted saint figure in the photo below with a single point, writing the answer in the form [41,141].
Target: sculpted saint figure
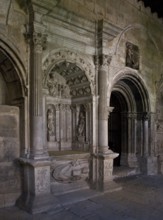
[50,124]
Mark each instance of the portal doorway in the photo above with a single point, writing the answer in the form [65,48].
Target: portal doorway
[128,123]
[117,132]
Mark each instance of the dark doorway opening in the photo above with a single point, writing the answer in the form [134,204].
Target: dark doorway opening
[114,131]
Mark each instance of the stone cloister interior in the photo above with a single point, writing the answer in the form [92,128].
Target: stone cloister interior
[81,94]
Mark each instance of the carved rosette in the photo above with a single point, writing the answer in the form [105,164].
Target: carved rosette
[66,55]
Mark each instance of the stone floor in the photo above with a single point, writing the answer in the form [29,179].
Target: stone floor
[141,198]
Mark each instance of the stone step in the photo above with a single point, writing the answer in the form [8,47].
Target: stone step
[121,172]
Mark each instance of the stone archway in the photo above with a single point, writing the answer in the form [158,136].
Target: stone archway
[131,104]
[67,94]
[12,127]
[68,86]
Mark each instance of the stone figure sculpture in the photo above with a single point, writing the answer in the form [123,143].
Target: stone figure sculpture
[50,124]
[52,85]
[132,56]
[81,125]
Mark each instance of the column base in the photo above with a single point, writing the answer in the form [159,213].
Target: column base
[149,165]
[160,164]
[36,194]
[37,203]
[132,160]
[105,169]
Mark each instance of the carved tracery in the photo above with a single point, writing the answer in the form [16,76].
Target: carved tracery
[72,63]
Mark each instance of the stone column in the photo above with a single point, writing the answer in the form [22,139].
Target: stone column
[94,123]
[105,155]
[145,134]
[124,138]
[148,162]
[73,125]
[69,126]
[103,109]
[36,99]
[58,125]
[132,159]
[152,158]
[36,196]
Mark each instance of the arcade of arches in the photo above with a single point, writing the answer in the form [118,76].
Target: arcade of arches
[81,95]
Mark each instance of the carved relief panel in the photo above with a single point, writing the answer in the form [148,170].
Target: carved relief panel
[57,86]
[132,56]
[51,123]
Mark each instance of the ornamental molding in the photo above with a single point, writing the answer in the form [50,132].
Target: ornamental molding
[65,55]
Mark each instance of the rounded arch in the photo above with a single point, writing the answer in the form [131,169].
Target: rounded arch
[60,56]
[128,128]
[130,83]
[9,53]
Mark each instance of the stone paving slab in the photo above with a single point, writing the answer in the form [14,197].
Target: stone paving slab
[141,198]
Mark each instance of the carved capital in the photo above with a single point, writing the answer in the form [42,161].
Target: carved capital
[132,115]
[146,116]
[104,60]
[110,109]
[39,41]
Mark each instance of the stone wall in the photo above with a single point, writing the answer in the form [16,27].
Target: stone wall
[82,39]
[9,153]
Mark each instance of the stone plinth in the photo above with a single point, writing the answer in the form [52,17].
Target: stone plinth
[36,196]
[105,169]
[149,165]
[132,160]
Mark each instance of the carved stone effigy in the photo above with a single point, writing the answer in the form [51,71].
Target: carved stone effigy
[67,170]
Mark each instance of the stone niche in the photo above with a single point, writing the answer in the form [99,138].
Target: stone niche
[67,109]
[9,152]
[67,126]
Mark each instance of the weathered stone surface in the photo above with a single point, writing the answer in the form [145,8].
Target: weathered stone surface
[83,75]
[9,151]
